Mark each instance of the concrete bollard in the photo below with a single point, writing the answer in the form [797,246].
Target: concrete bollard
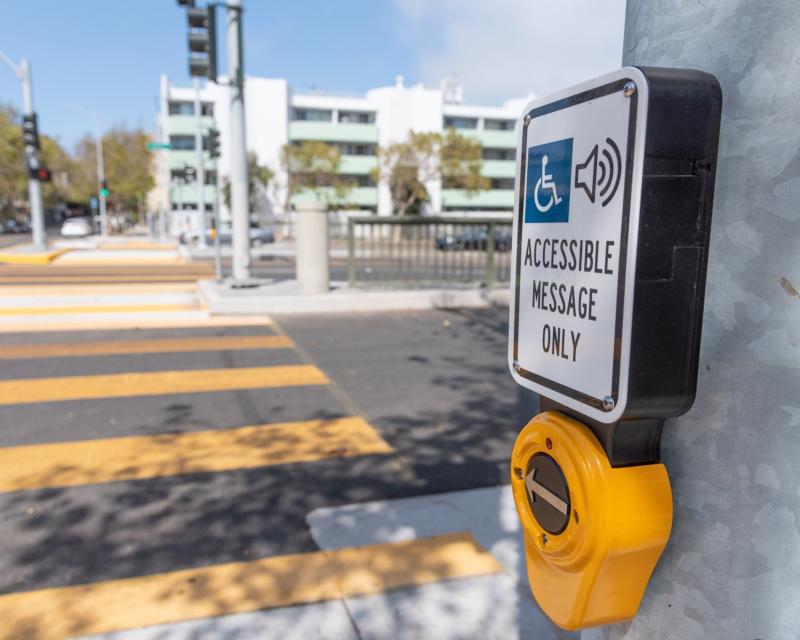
[311,241]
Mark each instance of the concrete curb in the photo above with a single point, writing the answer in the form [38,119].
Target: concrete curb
[285,297]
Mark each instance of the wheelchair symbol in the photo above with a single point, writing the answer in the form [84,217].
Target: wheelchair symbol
[545,183]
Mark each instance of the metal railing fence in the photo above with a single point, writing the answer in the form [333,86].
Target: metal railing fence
[428,251]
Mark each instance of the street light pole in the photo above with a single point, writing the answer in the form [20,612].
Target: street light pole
[23,72]
[101,177]
[240,214]
[101,168]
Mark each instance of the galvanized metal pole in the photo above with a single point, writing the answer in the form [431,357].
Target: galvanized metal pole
[101,176]
[201,170]
[38,237]
[732,564]
[240,212]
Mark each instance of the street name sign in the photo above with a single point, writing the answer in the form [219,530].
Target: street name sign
[613,197]
[156,146]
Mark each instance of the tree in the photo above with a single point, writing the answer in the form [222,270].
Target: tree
[13,166]
[128,168]
[13,178]
[407,166]
[314,166]
[259,177]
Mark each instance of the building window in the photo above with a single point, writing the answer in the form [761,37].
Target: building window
[490,153]
[502,183]
[312,115]
[181,143]
[457,122]
[207,109]
[498,125]
[185,143]
[353,149]
[210,175]
[360,180]
[181,108]
[357,117]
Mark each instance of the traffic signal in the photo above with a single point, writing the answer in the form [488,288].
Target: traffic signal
[30,131]
[104,189]
[44,174]
[202,41]
[213,143]
[186,3]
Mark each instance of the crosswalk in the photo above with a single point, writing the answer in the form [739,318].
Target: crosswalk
[151,464]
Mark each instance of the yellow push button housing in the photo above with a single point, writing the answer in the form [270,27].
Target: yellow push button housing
[593,533]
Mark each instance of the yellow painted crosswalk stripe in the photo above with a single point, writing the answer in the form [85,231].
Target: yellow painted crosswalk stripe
[191,320]
[121,385]
[128,347]
[138,457]
[136,308]
[55,614]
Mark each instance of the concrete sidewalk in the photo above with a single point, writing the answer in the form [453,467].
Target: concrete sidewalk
[285,297]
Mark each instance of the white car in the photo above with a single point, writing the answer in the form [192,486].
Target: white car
[76,228]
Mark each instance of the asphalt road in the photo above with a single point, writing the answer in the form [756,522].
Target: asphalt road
[434,386]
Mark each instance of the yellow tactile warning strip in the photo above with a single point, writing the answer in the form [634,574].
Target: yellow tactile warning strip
[54,614]
[138,457]
[137,308]
[77,323]
[128,347]
[122,385]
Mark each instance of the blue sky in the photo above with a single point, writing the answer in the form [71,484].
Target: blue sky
[107,55]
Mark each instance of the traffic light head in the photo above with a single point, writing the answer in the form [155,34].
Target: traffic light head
[213,143]
[202,41]
[30,131]
[104,189]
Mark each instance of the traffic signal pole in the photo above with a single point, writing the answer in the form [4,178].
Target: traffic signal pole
[38,237]
[101,179]
[240,214]
[23,72]
[201,170]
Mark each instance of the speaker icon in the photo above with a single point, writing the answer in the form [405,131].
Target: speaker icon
[608,162]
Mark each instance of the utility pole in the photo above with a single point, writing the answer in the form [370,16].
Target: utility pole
[24,74]
[201,170]
[733,457]
[240,213]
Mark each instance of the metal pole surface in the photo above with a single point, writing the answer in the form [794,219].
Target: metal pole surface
[731,567]
[201,170]
[240,214]
[38,237]
[217,229]
[101,176]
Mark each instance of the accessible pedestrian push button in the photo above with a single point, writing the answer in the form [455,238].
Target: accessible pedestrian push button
[612,219]
[593,533]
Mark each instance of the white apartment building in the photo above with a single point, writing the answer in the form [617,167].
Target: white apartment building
[358,126]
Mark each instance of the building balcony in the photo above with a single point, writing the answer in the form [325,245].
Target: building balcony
[492,139]
[360,165]
[332,131]
[186,125]
[490,199]
[360,196]
[498,168]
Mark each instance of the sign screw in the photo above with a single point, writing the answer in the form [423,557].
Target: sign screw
[516,365]
[608,403]
[629,89]
[527,120]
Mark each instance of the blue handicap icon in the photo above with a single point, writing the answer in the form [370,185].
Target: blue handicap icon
[548,182]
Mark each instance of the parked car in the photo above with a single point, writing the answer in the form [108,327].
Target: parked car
[12,226]
[76,228]
[475,240]
[258,237]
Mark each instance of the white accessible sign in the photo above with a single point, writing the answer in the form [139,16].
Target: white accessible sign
[578,184]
